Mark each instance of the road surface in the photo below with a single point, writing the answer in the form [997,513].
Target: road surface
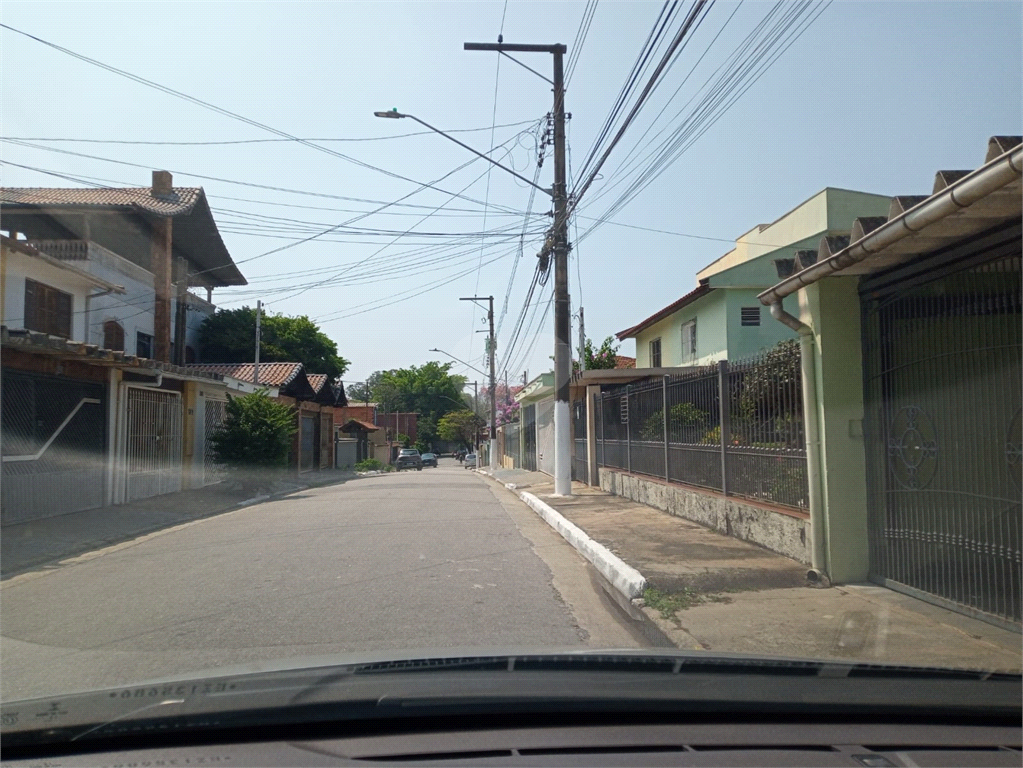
[430,560]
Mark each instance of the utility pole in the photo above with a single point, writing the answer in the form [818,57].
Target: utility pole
[259,315]
[491,345]
[559,243]
[582,341]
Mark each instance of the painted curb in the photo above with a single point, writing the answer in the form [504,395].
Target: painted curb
[622,576]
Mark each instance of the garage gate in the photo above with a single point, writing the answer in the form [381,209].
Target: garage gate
[943,382]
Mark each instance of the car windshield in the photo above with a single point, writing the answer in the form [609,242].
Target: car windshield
[353,330]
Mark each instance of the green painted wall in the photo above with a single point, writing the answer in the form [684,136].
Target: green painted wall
[711,333]
[832,308]
[747,340]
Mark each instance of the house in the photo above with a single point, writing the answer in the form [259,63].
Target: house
[912,329]
[313,442]
[95,409]
[721,318]
[155,243]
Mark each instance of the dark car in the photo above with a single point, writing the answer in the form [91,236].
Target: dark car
[409,458]
[429,459]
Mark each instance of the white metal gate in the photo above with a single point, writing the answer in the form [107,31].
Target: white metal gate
[152,443]
[545,437]
[215,411]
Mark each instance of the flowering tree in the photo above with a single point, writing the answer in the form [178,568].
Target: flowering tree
[598,359]
[507,408]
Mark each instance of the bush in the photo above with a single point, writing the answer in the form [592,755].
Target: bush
[370,465]
[254,438]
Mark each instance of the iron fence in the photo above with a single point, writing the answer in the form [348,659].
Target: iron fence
[735,428]
[580,467]
[528,426]
[510,443]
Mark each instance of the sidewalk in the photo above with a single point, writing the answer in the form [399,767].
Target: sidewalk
[37,543]
[705,590]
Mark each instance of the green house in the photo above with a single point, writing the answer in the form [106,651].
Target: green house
[722,318]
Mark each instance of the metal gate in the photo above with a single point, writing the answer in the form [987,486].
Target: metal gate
[528,428]
[152,443]
[308,444]
[213,417]
[53,435]
[545,437]
[580,463]
[943,381]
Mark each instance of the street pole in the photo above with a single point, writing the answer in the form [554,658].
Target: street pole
[562,320]
[259,315]
[475,421]
[491,345]
[582,341]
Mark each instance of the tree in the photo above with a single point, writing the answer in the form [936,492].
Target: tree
[228,336]
[429,390]
[507,408]
[460,427]
[255,436]
[599,359]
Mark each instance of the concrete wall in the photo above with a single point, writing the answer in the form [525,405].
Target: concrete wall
[747,340]
[17,266]
[786,534]
[711,334]
[832,308]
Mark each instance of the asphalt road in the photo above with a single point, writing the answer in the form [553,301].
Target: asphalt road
[437,559]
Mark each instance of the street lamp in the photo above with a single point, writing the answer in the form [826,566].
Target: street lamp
[394,114]
[557,243]
[459,361]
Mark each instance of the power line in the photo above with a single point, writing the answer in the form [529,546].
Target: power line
[228,142]
[219,110]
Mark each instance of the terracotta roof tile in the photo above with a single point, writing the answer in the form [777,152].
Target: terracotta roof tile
[271,374]
[180,200]
[622,362]
[317,380]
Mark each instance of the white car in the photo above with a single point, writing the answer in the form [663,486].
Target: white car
[469,462]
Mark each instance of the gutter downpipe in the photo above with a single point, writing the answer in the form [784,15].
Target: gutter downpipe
[119,491]
[818,573]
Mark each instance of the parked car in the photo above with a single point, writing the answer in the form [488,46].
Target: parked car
[429,460]
[409,458]
[469,461]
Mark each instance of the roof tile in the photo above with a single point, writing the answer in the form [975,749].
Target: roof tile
[271,374]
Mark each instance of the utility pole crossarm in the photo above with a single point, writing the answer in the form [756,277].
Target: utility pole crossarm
[516,47]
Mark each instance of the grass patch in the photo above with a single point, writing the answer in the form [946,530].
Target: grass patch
[668,604]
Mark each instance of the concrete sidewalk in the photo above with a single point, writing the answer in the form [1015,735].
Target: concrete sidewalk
[38,543]
[705,590]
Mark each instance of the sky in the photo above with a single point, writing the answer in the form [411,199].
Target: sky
[871,96]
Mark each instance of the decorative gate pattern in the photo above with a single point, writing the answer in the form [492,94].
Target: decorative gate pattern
[215,413]
[53,435]
[942,368]
[153,443]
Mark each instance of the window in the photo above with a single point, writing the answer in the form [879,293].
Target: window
[47,309]
[143,344]
[689,341]
[655,353]
[113,336]
[750,315]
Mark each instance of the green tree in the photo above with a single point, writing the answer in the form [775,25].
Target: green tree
[255,437]
[459,427]
[429,390]
[599,359]
[228,336]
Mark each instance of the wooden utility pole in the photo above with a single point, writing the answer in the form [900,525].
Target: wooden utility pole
[559,244]
[259,317]
[491,346]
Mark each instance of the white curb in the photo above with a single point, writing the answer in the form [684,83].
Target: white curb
[622,576]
